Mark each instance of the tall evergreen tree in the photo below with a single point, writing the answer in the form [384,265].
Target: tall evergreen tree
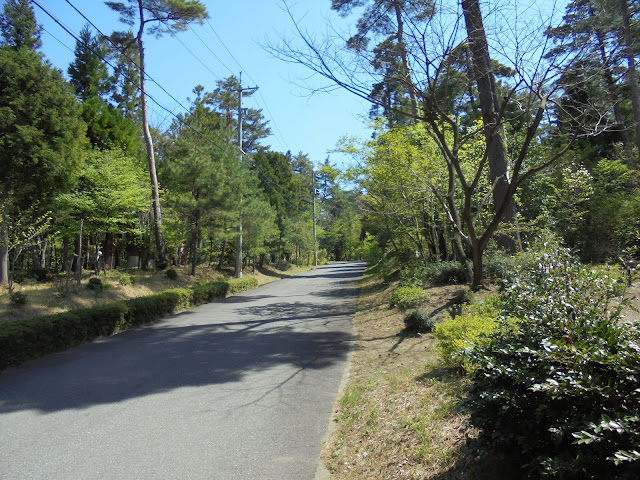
[88,73]
[41,133]
[224,100]
[160,16]
[19,27]
[125,78]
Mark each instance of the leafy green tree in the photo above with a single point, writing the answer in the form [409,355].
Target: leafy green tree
[42,135]
[108,197]
[160,16]
[108,129]
[259,226]
[106,126]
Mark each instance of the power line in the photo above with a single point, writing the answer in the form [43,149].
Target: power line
[211,51]
[259,93]
[197,58]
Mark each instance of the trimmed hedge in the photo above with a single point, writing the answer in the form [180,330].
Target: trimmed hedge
[22,340]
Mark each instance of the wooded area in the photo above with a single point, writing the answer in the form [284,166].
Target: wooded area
[484,137]
[494,123]
[86,180]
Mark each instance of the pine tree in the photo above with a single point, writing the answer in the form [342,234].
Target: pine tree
[160,16]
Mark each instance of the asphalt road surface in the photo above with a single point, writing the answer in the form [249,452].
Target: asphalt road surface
[241,389]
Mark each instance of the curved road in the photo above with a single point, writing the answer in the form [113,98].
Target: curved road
[241,389]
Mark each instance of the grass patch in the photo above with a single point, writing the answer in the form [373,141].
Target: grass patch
[398,415]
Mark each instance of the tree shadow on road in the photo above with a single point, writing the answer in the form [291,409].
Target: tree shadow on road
[161,358]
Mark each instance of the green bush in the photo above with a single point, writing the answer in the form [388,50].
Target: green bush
[559,388]
[419,322]
[437,273]
[18,298]
[126,279]
[162,265]
[95,284]
[240,284]
[457,334]
[407,297]
[171,274]
[22,340]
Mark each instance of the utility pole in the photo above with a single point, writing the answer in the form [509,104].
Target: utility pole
[313,197]
[238,272]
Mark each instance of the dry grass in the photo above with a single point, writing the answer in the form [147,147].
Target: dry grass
[57,296]
[398,414]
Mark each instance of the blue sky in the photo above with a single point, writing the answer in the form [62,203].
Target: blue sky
[230,43]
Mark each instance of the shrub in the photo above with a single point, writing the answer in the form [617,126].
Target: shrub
[95,284]
[41,274]
[240,284]
[18,298]
[419,322]
[162,265]
[456,334]
[171,274]
[407,297]
[126,279]
[559,388]
[444,272]
[21,340]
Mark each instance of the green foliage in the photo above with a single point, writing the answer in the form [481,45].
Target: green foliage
[558,386]
[407,297]
[171,274]
[126,279]
[95,284]
[456,334]
[21,340]
[111,191]
[419,322]
[369,250]
[18,26]
[236,285]
[18,298]
[444,272]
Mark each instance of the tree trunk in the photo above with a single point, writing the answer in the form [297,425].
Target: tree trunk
[408,76]
[632,76]
[65,254]
[490,107]
[478,272]
[155,192]
[79,260]
[607,74]
[195,235]
[4,249]
[238,272]
[223,251]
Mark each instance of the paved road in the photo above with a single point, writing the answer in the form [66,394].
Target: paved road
[241,389]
